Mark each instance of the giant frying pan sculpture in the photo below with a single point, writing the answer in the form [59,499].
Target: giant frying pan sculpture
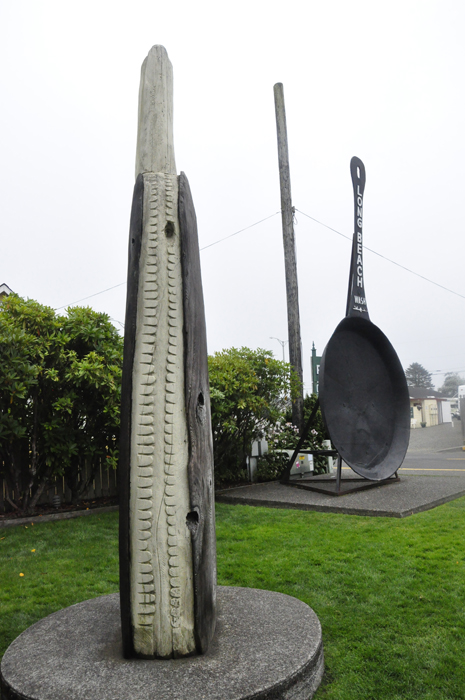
[363,394]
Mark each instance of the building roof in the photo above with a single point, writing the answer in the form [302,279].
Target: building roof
[420,393]
[4,289]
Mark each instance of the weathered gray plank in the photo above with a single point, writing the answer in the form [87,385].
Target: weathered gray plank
[135,238]
[201,519]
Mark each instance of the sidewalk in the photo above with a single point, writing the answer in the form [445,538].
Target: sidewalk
[412,494]
[416,491]
[436,438]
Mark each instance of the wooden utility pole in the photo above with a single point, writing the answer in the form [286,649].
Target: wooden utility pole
[292,292]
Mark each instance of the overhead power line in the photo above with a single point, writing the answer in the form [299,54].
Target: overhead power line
[321,223]
[242,229]
[204,248]
[412,272]
[90,297]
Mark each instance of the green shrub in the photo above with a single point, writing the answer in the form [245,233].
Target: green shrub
[60,379]
[250,393]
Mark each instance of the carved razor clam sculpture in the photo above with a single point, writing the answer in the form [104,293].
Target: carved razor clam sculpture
[167,526]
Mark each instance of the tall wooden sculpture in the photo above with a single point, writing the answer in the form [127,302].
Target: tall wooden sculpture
[167,529]
[268,645]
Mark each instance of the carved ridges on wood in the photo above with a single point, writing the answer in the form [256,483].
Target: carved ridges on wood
[170,398]
[146,599]
[164,598]
[167,538]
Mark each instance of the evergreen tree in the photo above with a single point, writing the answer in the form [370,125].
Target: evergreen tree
[417,375]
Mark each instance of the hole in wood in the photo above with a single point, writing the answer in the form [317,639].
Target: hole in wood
[192,521]
[201,409]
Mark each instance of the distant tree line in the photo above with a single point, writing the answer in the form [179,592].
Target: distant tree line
[452,381]
[417,375]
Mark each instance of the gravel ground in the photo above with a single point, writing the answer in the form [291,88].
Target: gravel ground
[439,437]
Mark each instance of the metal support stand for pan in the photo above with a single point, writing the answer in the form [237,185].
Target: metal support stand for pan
[342,486]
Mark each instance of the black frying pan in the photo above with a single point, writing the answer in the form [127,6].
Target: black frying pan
[363,393]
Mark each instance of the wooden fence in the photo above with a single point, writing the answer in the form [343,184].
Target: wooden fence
[104,485]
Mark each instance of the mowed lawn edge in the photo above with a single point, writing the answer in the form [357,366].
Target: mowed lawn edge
[390,594]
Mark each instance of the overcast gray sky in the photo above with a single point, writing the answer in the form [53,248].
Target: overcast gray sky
[383,81]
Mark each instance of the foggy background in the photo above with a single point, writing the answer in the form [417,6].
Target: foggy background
[380,81]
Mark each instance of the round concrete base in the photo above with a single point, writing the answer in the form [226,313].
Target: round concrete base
[266,645]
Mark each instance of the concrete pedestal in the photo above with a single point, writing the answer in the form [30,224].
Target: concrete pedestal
[266,646]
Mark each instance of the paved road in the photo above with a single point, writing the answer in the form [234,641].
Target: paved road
[445,462]
[440,463]
[437,438]
[437,449]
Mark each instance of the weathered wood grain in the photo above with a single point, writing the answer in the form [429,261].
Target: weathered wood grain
[201,519]
[290,263]
[135,241]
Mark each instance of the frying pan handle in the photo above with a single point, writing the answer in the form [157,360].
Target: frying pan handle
[356,299]
[357,172]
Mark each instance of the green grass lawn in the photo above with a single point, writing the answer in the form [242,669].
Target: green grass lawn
[389,593]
